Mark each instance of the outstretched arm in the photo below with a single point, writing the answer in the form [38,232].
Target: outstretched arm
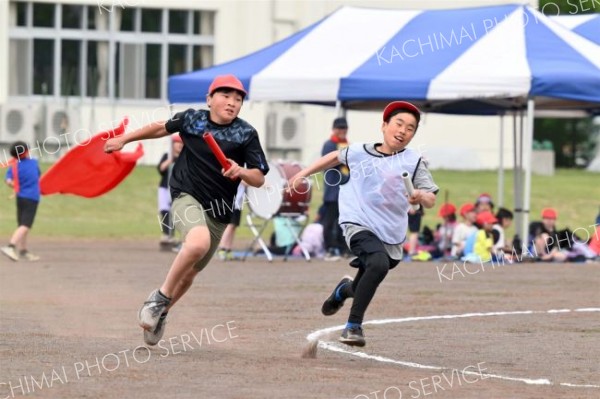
[325,162]
[154,130]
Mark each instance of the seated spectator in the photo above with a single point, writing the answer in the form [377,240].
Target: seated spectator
[482,240]
[505,218]
[548,243]
[595,239]
[312,238]
[284,234]
[443,235]
[484,203]
[463,230]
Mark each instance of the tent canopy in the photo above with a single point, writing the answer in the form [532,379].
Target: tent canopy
[586,25]
[471,61]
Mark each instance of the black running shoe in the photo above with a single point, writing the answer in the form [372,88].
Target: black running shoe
[331,304]
[353,336]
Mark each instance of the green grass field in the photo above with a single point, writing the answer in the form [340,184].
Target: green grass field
[129,211]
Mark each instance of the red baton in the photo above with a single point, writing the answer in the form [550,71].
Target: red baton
[216,150]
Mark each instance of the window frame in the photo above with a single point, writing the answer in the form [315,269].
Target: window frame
[114,38]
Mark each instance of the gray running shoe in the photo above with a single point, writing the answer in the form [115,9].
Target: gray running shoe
[353,336]
[153,337]
[152,309]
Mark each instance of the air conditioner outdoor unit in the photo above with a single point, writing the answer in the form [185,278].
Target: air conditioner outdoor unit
[60,120]
[16,123]
[285,130]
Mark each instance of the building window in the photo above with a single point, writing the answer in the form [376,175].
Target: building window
[70,68]
[72,16]
[43,66]
[43,15]
[151,20]
[178,21]
[96,53]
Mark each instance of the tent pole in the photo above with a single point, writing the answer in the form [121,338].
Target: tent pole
[339,111]
[516,176]
[501,166]
[527,150]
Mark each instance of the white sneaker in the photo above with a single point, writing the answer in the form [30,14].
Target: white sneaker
[152,309]
[10,252]
[153,337]
[29,256]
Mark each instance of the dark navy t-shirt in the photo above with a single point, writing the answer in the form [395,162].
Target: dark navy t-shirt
[197,171]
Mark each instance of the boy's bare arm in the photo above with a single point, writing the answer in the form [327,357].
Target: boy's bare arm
[327,161]
[152,131]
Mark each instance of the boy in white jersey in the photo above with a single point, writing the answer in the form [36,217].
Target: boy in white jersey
[374,209]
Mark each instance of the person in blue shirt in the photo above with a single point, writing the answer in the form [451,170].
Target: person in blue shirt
[23,176]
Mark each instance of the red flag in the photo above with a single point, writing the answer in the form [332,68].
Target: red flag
[87,171]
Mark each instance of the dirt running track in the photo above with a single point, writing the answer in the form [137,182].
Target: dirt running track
[68,330]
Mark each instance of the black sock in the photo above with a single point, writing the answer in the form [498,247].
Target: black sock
[163,295]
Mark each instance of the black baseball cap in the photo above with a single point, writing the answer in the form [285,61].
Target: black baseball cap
[340,123]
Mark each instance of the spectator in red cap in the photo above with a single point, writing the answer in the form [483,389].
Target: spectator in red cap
[548,243]
[484,241]
[484,203]
[202,190]
[463,230]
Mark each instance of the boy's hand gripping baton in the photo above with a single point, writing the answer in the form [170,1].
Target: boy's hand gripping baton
[214,147]
[409,188]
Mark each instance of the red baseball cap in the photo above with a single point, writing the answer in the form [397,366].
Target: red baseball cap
[403,105]
[486,217]
[228,81]
[549,213]
[466,208]
[447,210]
[176,138]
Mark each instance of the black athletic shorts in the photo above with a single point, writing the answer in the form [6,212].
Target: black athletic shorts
[414,222]
[365,243]
[235,217]
[26,210]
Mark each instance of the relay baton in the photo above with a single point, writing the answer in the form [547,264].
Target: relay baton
[409,188]
[214,147]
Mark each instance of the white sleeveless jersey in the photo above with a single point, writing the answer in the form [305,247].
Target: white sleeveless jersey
[375,196]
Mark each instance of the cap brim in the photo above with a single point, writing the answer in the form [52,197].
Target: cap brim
[403,105]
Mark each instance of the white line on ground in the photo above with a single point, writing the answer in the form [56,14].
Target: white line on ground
[316,335]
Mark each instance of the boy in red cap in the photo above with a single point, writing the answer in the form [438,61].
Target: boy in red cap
[202,191]
[547,240]
[374,209]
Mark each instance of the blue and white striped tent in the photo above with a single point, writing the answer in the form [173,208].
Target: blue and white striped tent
[473,61]
[485,60]
[586,25]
